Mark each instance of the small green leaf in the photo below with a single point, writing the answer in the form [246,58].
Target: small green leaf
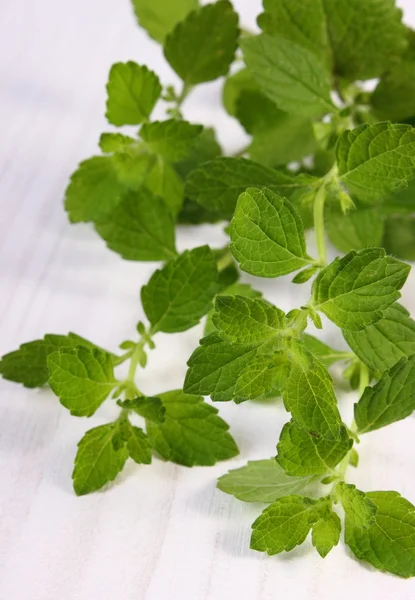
[261,481]
[389,543]
[267,235]
[81,378]
[140,228]
[301,453]
[356,230]
[202,47]
[149,407]
[192,432]
[264,375]
[391,399]
[162,180]
[354,291]
[305,275]
[94,190]
[247,320]
[171,139]
[97,462]
[138,446]
[116,142]
[354,458]
[217,184]
[205,147]
[328,356]
[240,289]
[383,344]
[399,238]
[133,91]
[309,396]
[376,160]
[159,17]
[181,293]
[28,364]
[357,505]
[284,525]
[326,533]
[290,75]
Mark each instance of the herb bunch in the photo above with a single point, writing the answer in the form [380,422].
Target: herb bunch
[324,153]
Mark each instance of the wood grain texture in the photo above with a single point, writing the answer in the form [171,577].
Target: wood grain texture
[162,532]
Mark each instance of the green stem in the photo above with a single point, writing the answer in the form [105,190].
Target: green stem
[183,95]
[319,224]
[135,359]
[364,378]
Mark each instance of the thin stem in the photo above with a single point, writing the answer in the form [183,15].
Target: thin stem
[183,95]
[135,359]
[319,224]
[364,378]
[120,359]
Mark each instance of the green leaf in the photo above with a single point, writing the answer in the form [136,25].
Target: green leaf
[247,320]
[354,291]
[180,294]
[97,462]
[138,446]
[159,17]
[356,230]
[284,525]
[217,184]
[140,228]
[290,75]
[264,375]
[171,139]
[267,235]
[205,147]
[202,47]
[357,505]
[28,364]
[261,481]
[326,533]
[328,356]
[300,453]
[81,378]
[388,544]
[390,400]
[309,396]
[132,165]
[215,366]
[133,91]
[116,142]
[375,34]
[376,160]
[149,407]
[234,85]
[240,289]
[383,344]
[192,433]
[94,190]
[399,238]
[162,180]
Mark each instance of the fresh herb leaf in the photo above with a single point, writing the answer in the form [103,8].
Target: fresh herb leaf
[267,235]
[180,294]
[399,238]
[138,446]
[202,47]
[326,533]
[140,228]
[116,142]
[301,453]
[159,17]
[261,481]
[235,289]
[171,139]
[81,378]
[148,407]
[192,433]
[322,351]
[354,291]
[359,509]
[264,375]
[356,230]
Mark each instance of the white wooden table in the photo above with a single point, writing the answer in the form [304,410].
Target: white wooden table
[162,532]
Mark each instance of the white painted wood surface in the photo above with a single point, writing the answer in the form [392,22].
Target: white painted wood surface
[162,532]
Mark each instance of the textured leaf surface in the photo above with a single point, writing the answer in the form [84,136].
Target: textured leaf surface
[28,364]
[357,230]
[284,525]
[171,139]
[247,320]
[93,190]
[309,396]
[326,533]
[390,400]
[97,462]
[148,407]
[357,505]
[264,376]
[181,293]
[192,432]
[159,17]
[354,291]
[140,228]
[202,47]
[376,160]
[235,289]
[138,446]
[322,351]
[267,235]
[133,91]
[300,453]
[261,481]
[383,344]
[217,184]
[289,74]
[81,378]
[389,544]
